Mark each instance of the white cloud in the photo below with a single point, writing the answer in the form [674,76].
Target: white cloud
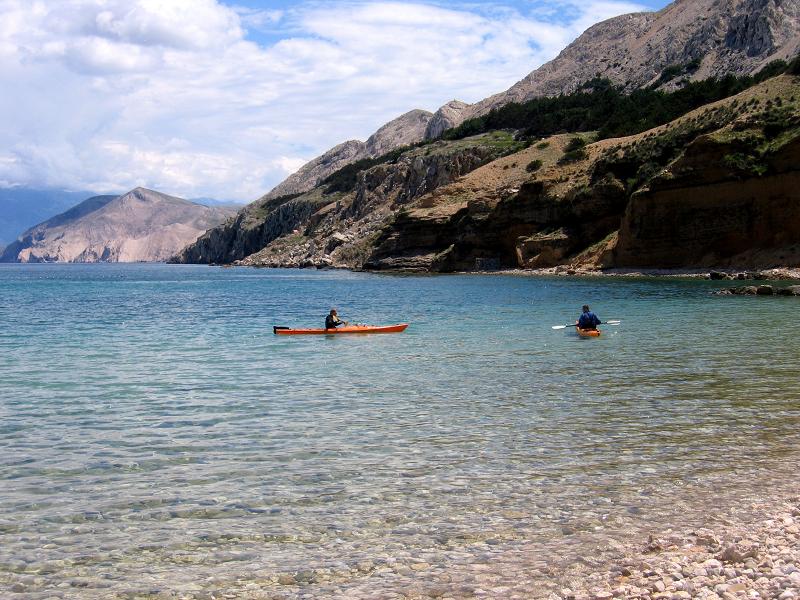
[289,164]
[177,95]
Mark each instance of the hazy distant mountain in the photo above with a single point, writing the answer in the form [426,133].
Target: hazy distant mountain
[140,226]
[22,208]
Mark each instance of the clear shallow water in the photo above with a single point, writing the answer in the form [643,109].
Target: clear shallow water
[156,438]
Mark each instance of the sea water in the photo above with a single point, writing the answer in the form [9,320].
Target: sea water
[157,440]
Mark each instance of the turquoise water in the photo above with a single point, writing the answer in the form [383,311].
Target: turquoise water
[156,438]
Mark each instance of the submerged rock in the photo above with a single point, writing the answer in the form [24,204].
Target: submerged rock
[761,290]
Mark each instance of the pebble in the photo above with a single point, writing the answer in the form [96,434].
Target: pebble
[739,560]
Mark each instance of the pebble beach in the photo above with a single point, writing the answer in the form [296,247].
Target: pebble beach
[733,560]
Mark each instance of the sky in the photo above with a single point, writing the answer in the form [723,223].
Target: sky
[224,99]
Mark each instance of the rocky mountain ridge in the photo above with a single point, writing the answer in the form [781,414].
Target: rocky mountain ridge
[687,40]
[139,226]
[695,39]
[713,188]
[324,227]
[402,131]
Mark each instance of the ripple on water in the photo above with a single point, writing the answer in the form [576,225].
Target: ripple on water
[156,438]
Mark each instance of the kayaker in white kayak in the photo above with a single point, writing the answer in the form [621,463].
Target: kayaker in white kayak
[588,320]
[332,321]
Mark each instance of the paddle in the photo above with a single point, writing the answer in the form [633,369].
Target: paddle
[575,324]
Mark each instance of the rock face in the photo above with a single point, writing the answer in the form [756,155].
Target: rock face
[701,38]
[722,37]
[717,187]
[251,229]
[541,224]
[704,214]
[323,228]
[140,226]
[445,118]
[405,129]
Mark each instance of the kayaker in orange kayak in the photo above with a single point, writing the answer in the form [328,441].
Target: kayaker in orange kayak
[332,321]
[588,320]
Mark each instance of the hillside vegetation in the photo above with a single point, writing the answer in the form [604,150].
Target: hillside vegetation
[716,186]
[506,197]
[603,107]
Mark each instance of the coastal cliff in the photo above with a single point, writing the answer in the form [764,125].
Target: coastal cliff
[717,187]
[662,170]
[333,224]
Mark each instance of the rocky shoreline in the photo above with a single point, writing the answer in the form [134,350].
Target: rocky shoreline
[756,559]
[776,274]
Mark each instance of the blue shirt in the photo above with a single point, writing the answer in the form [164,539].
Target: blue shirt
[588,320]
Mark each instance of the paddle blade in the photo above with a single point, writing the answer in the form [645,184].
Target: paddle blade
[562,326]
[612,322]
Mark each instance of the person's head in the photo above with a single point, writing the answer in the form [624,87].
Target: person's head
[333,312]
[585,308]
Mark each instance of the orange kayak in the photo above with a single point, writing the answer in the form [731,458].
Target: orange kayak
[588,332]
[346,329]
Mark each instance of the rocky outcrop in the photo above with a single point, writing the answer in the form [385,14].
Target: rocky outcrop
[535,227]
[402,131]
[314,171]
[760,290]
[340,232]
[140,226]
[717,37]
[447,117]
[705,212]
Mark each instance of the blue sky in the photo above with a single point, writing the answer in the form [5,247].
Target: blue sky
[224,99]
[551,10]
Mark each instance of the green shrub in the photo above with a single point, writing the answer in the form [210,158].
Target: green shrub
[543,145]
[601,106]
[534,166]
[668,74]
[745,164]
[574,156]
[575,143]
[794,66]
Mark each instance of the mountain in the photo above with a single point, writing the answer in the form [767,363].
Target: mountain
[402,131]
[21,208]
[713,188]
[678,172]
[713,185]
[344,217]
[139,226]
[689,40]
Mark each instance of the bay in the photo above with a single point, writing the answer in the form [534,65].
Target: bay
[157,438]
